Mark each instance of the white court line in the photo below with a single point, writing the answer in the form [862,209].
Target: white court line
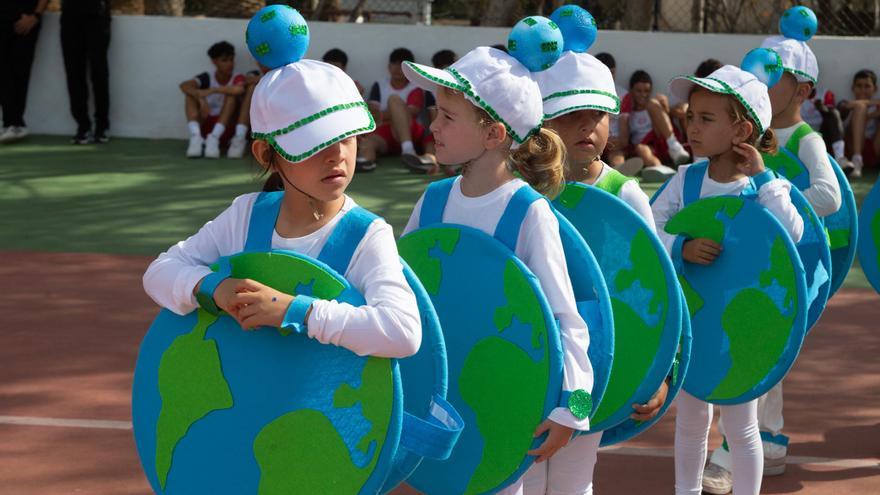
[792,459]
[630,451]
[66,423]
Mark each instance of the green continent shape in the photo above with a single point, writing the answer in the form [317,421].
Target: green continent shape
[191,385]
[302,452]
[506,390]
[691,296]
[781,163]
[875,234]
[635,342]
[646,268]
[521,303]
[700,219]
[415,249]
[757,330]
[285,273]
[571,196]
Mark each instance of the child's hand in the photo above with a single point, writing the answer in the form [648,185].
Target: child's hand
[700,251]
[648,410]
[255,305]
[223,294]
[754,165]
[559,437]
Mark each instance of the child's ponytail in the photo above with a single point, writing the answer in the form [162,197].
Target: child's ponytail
[541,162]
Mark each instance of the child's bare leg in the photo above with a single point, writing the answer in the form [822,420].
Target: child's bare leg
[400,120]
[647,155]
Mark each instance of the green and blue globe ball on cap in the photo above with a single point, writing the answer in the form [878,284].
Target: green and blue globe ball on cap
[277,35]
[799,23]
[578,27]
[536,42]
[765,64]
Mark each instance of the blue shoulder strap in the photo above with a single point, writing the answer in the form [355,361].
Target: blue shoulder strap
[693,182]
[434,203]
[507,230]
[346,237]
[264,214]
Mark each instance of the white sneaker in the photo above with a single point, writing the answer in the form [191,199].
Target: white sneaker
[194,150]
[775,457]
[212,147]
[13,133]
[659,173]
[631,167]
[5,134]
[236,147]
[717,480]
[857,168]
[678,154]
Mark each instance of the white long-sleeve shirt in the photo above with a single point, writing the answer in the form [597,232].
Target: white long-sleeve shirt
[824,191]
[774,195]
[388,325]
[632,195]
[540,248]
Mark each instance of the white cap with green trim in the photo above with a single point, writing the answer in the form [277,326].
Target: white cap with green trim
[493,81]
[303,107]
[577,81]
[731,80]
[797,57]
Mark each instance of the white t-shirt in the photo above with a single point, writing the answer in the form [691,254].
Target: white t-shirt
[388,325]
[540,248]
[208,80]
[774,195]
[824,191]
[632,195]
[639,126]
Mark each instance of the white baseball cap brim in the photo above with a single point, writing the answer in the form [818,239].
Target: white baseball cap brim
[325,131]
[556,106]
[731,80]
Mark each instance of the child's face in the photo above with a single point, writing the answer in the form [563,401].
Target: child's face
[325,175]
[396,71]
[711,130]
[788,91]
[863,88]
[641,93]
[224,64]
[585,134]
[458,137]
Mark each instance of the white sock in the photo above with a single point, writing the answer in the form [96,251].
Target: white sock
[218,130]
[407,148]
[858,161]
[194,128]
[837,147]
[672,143]
[241,130]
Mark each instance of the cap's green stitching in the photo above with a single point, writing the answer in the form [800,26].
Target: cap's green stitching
[801,73]
[270,136]
[728,90]
[551,116]
[613,96]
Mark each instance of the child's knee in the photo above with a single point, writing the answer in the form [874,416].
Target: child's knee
[395,100]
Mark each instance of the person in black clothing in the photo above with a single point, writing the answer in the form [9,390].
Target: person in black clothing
[85,38]
[19,29]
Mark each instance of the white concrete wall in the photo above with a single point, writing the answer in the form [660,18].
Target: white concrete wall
[149,56]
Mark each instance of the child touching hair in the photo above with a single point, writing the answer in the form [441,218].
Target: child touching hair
[306,116]
[489,117]
[729,118]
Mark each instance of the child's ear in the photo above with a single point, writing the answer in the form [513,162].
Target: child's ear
[263,152]
[496,135]
[743,131]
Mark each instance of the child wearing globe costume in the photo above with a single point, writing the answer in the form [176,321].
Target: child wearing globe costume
[306,115]
[800,73]
[729,116]
[489,118]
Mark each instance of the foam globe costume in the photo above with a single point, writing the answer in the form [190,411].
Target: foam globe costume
[493,312]
[751,313]
[800,61]
[869,241]
[217,409]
